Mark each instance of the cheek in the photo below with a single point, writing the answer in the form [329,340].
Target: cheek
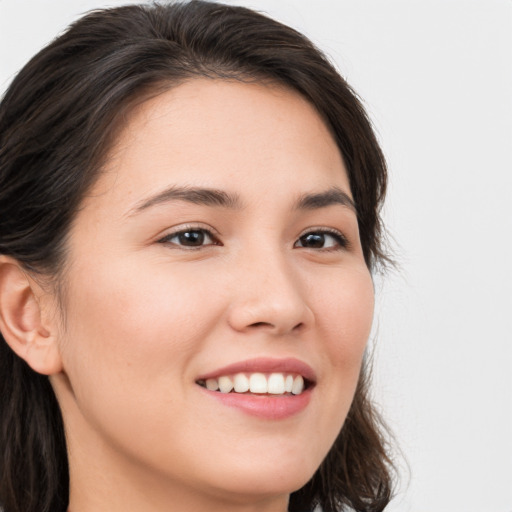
[345,314]
[134,333]
[344,318]
[130,339]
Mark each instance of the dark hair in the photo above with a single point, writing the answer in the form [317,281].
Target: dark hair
[58,120]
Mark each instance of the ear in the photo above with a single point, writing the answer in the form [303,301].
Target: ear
[22,319]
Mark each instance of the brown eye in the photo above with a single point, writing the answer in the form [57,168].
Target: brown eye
[313,240]
[322,240]
[189,238]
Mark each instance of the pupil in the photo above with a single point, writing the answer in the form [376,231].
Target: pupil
[315,240]
[191,238]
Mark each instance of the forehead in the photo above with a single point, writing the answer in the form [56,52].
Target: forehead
[222,134]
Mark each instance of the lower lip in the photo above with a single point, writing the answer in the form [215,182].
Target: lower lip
[264,406]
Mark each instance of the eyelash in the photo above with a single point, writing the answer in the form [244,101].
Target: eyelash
[341,241]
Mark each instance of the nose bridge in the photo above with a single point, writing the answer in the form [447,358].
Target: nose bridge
[269,294]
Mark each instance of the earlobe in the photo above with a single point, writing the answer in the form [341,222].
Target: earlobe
[21,319]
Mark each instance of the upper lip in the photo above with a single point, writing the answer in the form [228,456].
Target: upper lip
[264,365]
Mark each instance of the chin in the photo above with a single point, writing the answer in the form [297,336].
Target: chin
[262,487]
[268,480]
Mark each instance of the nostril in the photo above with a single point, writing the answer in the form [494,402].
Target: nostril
[261,324]
[297,327]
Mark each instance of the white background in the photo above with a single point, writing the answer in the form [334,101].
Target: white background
[436,77]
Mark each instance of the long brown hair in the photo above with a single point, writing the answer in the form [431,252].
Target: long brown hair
[58,119]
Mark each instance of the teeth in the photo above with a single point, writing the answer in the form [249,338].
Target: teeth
[225,384]
[273,384]
[258,383]
[212,384]
[288,383]
[241,383]
[276,384]
[298,385]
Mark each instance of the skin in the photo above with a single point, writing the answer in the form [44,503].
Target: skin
[142,319]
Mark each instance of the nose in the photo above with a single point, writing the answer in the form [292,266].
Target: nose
[269,296]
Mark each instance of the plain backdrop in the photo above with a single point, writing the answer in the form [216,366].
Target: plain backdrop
[436,78]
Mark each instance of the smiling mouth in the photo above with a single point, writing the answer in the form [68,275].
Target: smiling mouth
[271,384]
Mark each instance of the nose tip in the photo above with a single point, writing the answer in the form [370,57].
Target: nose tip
[274,305]
[267,317]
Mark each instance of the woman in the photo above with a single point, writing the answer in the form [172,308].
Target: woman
[190,201]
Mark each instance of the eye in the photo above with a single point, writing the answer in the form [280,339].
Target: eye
[322,239]
[190,237]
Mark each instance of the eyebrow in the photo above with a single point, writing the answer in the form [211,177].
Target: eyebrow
[318,200]
[195,195]
[216,197]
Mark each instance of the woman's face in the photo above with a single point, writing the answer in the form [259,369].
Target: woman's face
[219,243]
